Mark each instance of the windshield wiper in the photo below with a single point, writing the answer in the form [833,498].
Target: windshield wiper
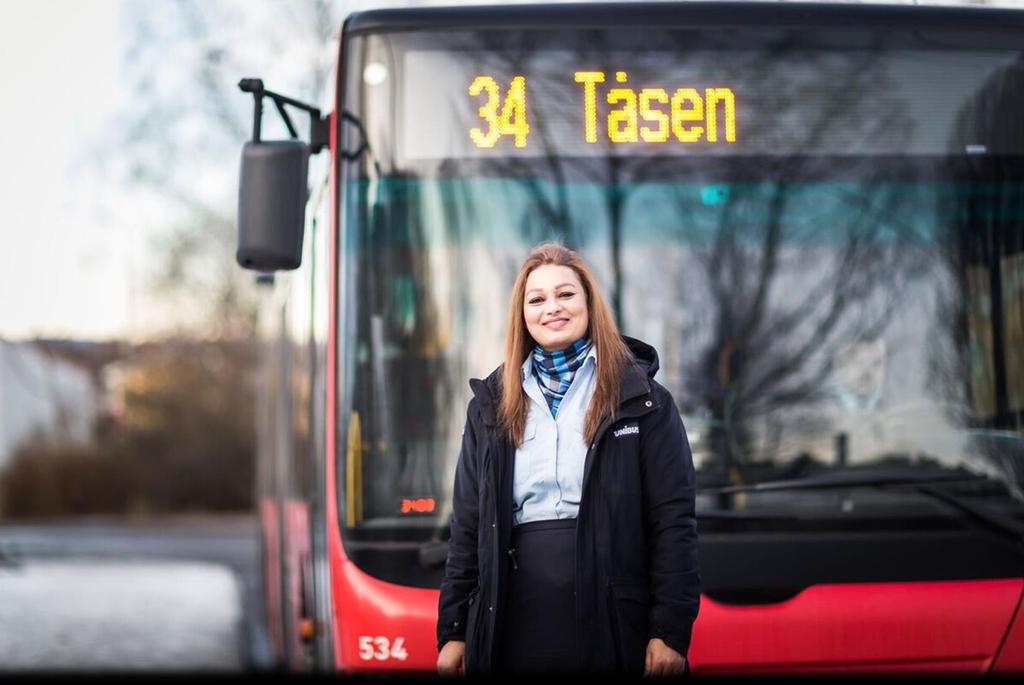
[1000,523]
[924,483]
[852,479]
[744,515]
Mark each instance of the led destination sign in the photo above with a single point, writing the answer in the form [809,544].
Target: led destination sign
[499,105]
[648,115]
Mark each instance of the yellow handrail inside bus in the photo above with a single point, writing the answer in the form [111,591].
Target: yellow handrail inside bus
[354,472]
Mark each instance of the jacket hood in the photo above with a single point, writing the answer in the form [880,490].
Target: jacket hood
[645,355]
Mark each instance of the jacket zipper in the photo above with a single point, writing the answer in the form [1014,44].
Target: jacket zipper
[648,408]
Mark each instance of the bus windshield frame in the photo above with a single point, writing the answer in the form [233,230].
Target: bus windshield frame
[429,244]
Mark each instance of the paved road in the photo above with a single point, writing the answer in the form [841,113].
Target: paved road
[178,594]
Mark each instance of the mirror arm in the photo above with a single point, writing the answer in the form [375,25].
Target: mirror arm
[287,119]
[363,146]
[319,125]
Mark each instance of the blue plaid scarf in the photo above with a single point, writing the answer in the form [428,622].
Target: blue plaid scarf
[555,370]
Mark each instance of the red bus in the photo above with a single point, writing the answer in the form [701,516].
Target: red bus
[815,213]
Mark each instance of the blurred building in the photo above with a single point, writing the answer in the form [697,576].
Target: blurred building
[43,397]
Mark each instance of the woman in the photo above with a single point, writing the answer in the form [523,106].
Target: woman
[573,539]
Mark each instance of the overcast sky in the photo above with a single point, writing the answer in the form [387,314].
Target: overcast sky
[63,266]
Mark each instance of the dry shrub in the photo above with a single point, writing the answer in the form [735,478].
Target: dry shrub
[185,443]
[66,480]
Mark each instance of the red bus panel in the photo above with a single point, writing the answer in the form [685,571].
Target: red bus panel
[948,627]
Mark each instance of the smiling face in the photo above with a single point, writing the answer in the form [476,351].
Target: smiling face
[555,307]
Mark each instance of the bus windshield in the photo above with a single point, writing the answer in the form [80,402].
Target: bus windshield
[821,235]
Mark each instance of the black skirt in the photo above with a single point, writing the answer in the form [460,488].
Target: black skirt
[540,631]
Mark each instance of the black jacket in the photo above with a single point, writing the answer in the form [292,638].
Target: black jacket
[636,542]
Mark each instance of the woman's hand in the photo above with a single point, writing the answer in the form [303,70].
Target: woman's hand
[662,660]
[452,659]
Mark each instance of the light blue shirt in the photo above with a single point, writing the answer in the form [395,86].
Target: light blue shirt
[548,480]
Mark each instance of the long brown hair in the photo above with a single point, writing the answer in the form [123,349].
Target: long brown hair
[612,353]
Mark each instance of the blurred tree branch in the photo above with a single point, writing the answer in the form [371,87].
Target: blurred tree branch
[182,137]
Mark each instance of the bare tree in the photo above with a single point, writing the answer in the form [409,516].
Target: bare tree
[188,122]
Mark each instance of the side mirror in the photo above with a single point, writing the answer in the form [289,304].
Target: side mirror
[272,204]
[272,195]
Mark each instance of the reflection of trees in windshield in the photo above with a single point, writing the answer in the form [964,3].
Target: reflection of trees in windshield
[786,305]
[793,274]
[774,320]
[784,290]
[790,295]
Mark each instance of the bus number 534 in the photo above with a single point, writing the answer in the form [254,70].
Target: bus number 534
[381,648]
